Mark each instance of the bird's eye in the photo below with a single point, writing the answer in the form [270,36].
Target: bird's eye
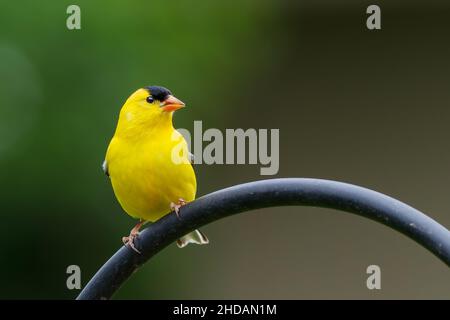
[150,99]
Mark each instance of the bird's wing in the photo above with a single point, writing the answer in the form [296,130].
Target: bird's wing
[105,167]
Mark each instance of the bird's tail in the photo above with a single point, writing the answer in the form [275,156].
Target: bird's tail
[195,236]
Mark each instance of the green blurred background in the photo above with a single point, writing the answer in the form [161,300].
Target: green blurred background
[366,107]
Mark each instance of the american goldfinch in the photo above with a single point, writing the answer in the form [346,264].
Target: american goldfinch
[146,177]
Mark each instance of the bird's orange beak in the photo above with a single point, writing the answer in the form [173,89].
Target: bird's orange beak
[171,104]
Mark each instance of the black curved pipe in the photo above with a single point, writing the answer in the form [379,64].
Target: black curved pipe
[262,194]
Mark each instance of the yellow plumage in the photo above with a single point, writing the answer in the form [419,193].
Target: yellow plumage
[147,159]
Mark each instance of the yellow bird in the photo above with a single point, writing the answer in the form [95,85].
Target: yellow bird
[148,161]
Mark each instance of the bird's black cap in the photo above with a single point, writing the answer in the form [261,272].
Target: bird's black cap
[159,93]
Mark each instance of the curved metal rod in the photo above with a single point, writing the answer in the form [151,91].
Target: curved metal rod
[263,194]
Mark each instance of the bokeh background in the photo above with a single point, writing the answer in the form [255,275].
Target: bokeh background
[360,106]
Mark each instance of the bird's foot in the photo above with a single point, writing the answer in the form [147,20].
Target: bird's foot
[129,241]
[134,234]
[176,207]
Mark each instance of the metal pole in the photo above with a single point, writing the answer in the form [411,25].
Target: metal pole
[263,194]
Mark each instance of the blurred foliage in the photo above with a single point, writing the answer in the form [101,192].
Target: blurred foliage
[338,94]
[60,94]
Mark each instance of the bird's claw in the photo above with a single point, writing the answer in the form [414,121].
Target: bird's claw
[134,233]
[129,241]
[176,207]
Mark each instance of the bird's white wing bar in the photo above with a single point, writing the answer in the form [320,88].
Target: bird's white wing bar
[105,167]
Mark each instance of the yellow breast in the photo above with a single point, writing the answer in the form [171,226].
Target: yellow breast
[145,176]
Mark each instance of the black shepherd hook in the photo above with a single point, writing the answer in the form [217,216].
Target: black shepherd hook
[262,194]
